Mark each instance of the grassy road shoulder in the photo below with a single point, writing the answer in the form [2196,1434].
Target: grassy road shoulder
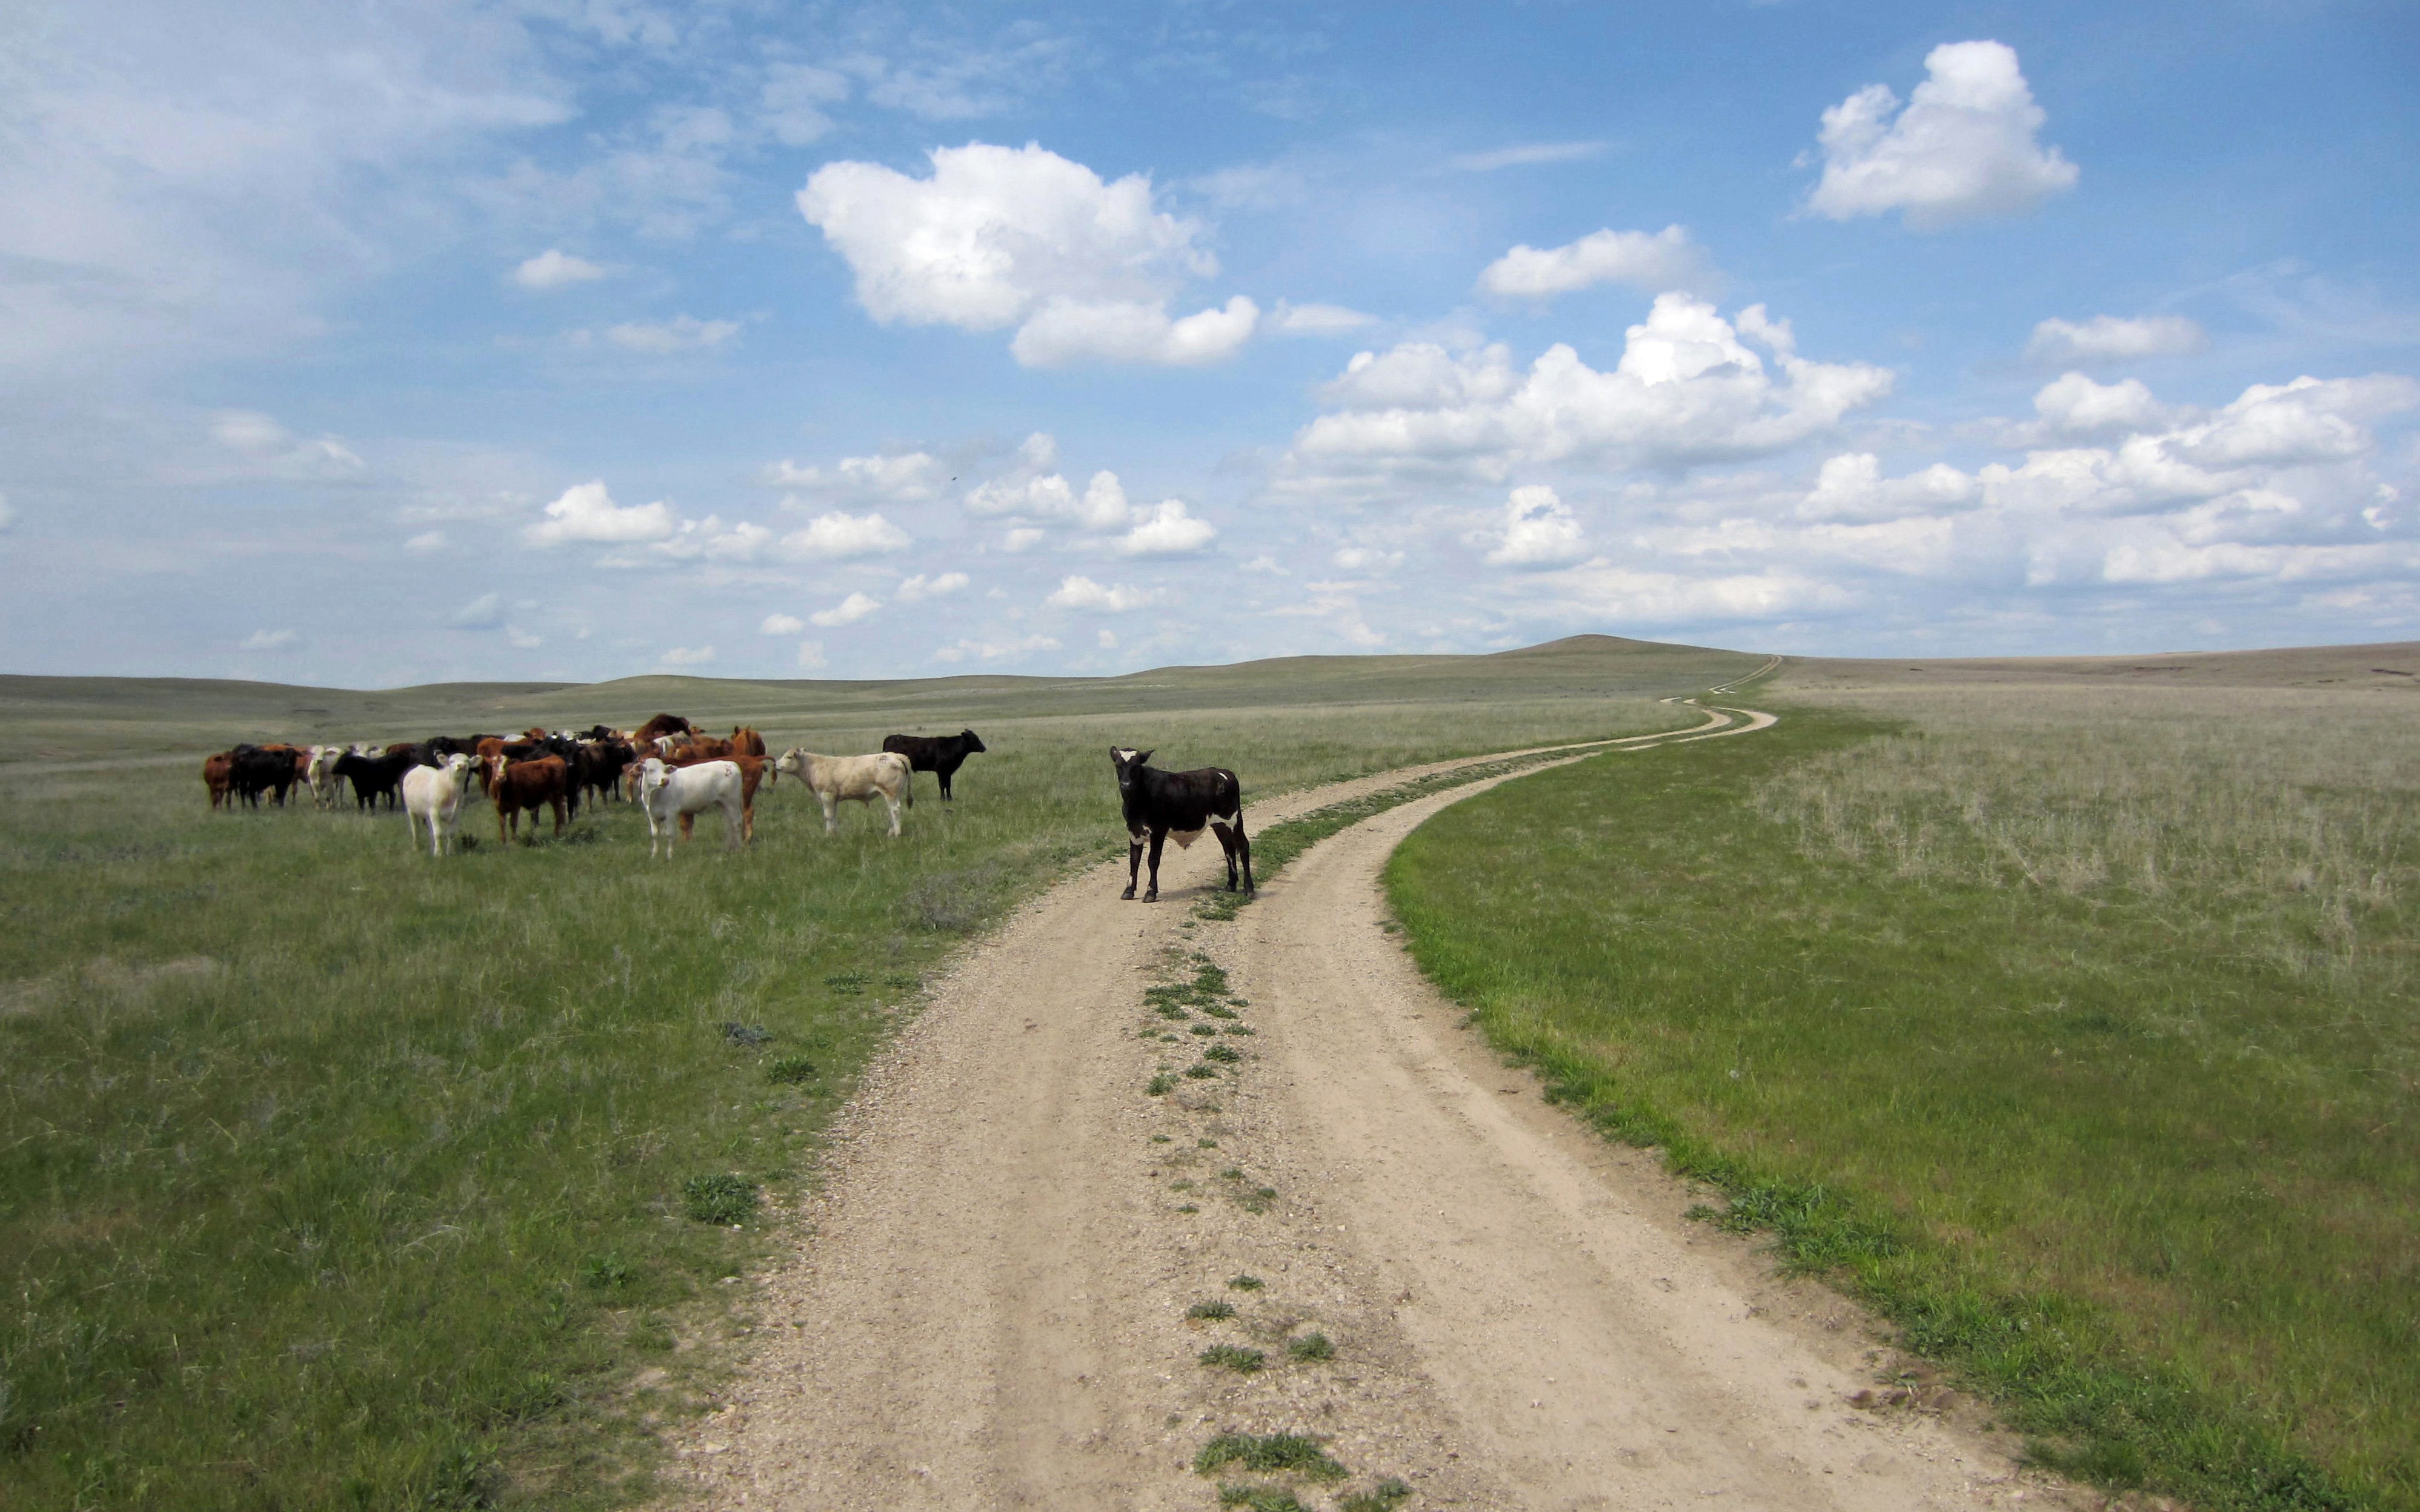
[2135,1181]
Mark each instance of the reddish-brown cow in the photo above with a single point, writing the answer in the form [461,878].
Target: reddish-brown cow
[218,774]
[531,784]
[753,770]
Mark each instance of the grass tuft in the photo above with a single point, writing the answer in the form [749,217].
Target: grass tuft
[1385,1496]
[722,1198]
[1233,1357]
[1211,1311]
[1259,1498]
[1245,1283]
[790,1069]
[1310,1347]
[1270,1453]
[1160,1085]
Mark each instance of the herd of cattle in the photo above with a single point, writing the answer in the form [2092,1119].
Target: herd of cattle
[667,767]
[675,773]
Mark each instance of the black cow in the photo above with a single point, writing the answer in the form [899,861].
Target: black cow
[941,755]
[377,777]
[253,771]
[601,765]
[1183,804]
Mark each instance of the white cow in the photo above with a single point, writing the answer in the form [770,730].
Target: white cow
[437,794]
[320,772]
[859,779]
[671,794]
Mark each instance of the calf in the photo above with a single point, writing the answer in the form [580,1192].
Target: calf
[1161,804]
[532,783]
[941,755]
[682,792]
[375,777]
[321,774]
[218,774]
[437,794]
[857,778]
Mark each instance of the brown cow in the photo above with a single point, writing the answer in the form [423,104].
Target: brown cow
[745,741]
[489,750]
[753,770]
[218,774]
[662,724]
[701,748]
[531,784]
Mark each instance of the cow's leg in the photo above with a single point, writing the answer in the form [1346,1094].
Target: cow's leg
[945,784]
[502,839]
[1227,844]
[558,817]
[895,814]
[688,826]
[1134,863]
[831,813]
[1158,839]
[746,820]
[412,826]
[735,822]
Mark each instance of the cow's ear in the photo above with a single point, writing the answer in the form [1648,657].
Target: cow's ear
[1140,758]
[1117,755]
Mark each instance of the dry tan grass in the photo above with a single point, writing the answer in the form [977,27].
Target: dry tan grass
[2299,807]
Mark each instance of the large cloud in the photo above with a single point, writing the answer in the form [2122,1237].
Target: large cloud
[1962,149]
[1653,264]
[999,237]
[585,511]
[1688,389]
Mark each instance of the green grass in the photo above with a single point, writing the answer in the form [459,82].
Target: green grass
[1385,1496]
[1233,1357]
[1211,1311]
[1293,1454]
[1310,1347]
[331,1176]
[2136,1158]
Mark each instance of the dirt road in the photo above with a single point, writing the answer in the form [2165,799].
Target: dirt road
[988,1303]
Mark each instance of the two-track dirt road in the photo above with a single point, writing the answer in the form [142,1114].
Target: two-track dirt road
[987,1305]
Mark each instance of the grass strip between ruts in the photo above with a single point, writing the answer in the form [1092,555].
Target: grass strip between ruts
[1633,977]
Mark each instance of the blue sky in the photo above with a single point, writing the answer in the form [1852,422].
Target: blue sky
[581,338]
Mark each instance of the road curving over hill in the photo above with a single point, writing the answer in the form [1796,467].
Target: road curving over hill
[988,1302]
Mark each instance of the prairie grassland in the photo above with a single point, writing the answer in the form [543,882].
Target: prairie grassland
[332,1176]
[2072,1026]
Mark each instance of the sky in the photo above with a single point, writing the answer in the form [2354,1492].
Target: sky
[383,344]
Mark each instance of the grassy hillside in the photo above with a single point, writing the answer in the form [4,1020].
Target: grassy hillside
[2064,1011]
[333,1176]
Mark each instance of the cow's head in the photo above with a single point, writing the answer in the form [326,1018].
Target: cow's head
[1128,760]
[975,742]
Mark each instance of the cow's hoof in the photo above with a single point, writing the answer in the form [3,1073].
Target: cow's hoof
[1151,897]
[1126,897]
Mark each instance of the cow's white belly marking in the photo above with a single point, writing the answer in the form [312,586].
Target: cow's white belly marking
[1184,837]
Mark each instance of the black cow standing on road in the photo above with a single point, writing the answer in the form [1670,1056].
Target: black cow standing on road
[1183,804]
[941,755]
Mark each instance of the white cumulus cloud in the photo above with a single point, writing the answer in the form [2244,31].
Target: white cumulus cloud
[1315,319]
[847,612]
[586,511]
[555,268]
[1001,236]
[1653,264]
[920,587]
[1688,389]
[1539,530]
[1083,593]
[781,624]
[2108,338]
[1166,529]
[838,534]
[1064,332]
[1852,488]
[908,477]
[270,640]
[685,656]
[2072,404]
[1964,149]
